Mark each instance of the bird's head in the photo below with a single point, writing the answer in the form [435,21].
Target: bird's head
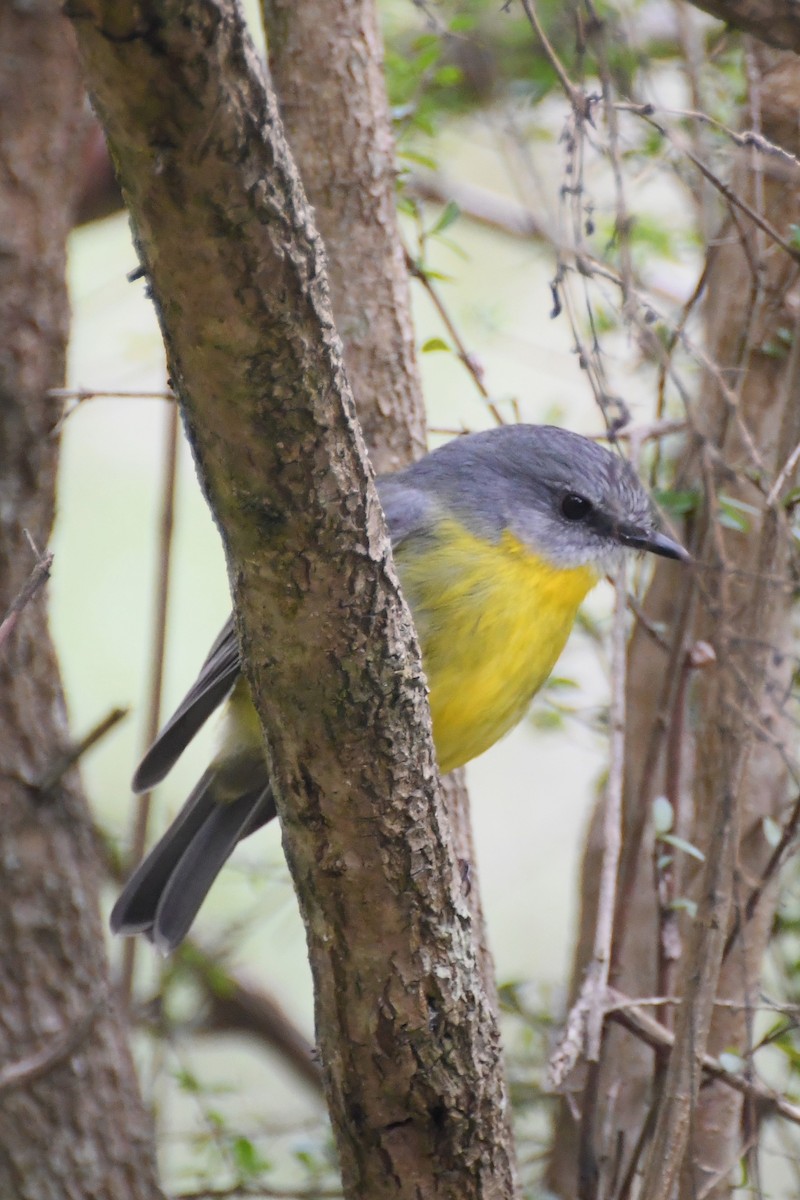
[568,499]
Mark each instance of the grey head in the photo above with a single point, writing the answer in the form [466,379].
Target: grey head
[567,498]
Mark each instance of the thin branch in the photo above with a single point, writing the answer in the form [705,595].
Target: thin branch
[575,95]
[159,635]
[783,475]
[655,1035]
[77,751]
[462,353]
[593,993]
[612,824]
[746,139]
[774,863]
[668,882]
[81,394]
[36,580]
[723,188]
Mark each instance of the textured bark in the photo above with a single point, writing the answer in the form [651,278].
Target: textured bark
[740,738]
[326,60]
[775,22]
[408,1041]
[71,1122]
[743,724]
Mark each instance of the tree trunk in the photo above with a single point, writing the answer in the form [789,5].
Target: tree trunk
[71,1122]
[326,61]
[408,1040]
[729,772]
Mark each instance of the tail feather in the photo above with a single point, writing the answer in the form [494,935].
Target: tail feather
[201,862]
[217,677]
[135,909]
[162,897]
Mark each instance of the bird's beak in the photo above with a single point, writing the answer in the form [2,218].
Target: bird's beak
[652,541]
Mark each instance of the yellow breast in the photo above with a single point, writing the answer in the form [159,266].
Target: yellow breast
[492,619]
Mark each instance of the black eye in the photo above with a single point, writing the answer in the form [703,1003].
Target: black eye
[575,507]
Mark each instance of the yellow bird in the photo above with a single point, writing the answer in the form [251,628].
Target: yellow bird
[497,538]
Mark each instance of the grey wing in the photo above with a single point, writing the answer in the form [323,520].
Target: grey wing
[217,676]
[408,509]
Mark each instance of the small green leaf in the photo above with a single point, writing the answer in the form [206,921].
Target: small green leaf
[678,502]
[739,505]
[407,205]
[434,343]
[449,214]
[448,76]
[424,123]
[247,1158]
[546,719]
[560,683]
[684,904]
[422,160]
[187,1082]
[735,514]
[731,521]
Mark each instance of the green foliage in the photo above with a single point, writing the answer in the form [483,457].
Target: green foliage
[735,514]
[677,503]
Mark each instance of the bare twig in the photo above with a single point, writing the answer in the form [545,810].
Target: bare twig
[37,578]
[575,95]
[79,749]
[462,353]
[142,813]
[772,867]
[667,877]
[723,188]
[81,394]
[654,1034]
[746,139]
[596,985]
[783,476]
[612,825]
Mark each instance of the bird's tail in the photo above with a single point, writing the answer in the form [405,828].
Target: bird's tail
[162,897]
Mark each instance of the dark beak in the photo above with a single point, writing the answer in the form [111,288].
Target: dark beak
[653,541]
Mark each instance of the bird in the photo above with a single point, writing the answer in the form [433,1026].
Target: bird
[497,537]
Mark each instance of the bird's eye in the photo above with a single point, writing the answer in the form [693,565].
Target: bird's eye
[575,507]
